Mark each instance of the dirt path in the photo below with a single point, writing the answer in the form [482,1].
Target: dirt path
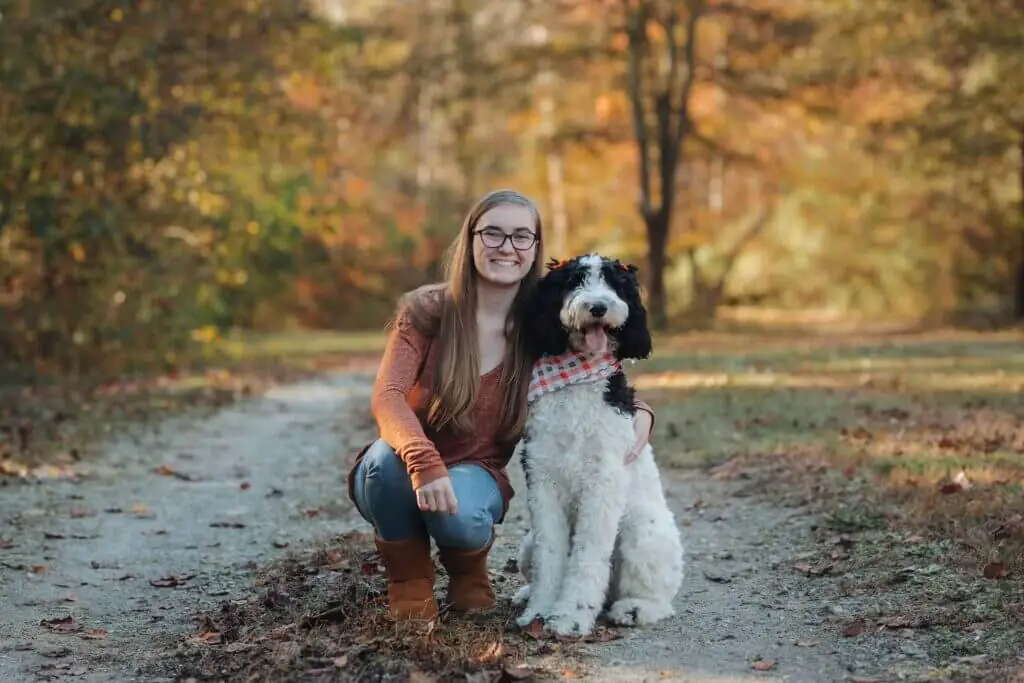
[261,473]
[268,472]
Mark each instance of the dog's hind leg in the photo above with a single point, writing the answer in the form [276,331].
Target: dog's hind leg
[586,579]
[649,560]
[550,551]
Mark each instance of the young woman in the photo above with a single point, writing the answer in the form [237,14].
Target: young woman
[450,405]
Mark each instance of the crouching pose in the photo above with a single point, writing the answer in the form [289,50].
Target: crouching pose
[450,403]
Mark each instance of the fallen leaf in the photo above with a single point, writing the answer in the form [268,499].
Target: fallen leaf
[852,629]
[603,634]
[95,634]
[311,512]
[808,643]
[535,629]
[38,569]
[166,471]
[171,581]
[245,486]
[898,621]
[515,673]
[61,625]
[53,535]
[77,513]
[204,638]
[71,598]
[843,540]
[958,483]
[341,662]
[764,664]
[814,570]
[422,677]
[5,544]
[280,544]
[493,653]
[568,674]
[972,659]
[994,570]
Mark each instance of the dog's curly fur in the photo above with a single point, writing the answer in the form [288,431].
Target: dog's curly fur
[602,536]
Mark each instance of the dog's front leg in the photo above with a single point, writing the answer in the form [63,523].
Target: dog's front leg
[550,550]
[589,569]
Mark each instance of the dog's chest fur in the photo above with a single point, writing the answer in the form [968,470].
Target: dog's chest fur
[578,433]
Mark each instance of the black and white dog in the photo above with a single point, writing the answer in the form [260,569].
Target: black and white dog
[601,532]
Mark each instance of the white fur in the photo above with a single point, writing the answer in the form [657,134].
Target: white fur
[576,315]
[601,531]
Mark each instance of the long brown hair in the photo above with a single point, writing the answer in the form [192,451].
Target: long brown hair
[452,324]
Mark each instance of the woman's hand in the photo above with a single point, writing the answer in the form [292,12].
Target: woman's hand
[642,423]
[437,496]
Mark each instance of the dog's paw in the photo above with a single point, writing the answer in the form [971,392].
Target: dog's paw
[571,622]
[521,597]
[637,612]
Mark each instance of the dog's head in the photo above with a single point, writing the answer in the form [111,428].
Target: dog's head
[589,298]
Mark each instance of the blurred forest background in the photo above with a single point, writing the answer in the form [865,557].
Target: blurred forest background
[171,171]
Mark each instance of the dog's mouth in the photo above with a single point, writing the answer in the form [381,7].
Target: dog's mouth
[596,337]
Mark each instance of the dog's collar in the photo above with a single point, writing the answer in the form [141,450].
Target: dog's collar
[552,373]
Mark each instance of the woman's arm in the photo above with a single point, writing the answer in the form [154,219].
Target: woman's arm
[643,423]
[389,403]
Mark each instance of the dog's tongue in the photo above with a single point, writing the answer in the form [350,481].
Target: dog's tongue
[597,339]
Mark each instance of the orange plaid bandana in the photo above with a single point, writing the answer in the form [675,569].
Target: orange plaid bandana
[552,373]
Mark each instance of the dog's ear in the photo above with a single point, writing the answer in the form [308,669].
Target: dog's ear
[545,334]
[634,338]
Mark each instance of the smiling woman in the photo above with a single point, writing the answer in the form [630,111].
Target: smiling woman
[450,404]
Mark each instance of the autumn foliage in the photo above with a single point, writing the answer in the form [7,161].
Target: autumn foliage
[169,171]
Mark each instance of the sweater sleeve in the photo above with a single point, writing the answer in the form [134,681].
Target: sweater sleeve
[399,426]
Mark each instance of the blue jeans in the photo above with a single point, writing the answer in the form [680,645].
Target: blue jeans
[384,496]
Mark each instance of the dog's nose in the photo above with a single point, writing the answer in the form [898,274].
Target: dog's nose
[598,310]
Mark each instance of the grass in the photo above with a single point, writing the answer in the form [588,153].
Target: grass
[914,443]
[49,424]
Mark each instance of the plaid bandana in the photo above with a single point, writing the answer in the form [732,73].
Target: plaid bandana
[552,373]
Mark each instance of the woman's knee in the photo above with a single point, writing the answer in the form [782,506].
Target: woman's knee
[381,464]
[384,495]
[466,530]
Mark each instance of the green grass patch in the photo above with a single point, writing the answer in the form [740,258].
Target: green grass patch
[910,436]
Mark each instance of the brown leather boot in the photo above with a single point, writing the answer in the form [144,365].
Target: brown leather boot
[469,584]
[410,572]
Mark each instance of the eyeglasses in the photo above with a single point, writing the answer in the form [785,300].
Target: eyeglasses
[494,238]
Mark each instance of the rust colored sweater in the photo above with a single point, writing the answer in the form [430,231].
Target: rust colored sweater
[399,400]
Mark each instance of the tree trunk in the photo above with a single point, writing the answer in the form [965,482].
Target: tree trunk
[657,241]
[1018,276]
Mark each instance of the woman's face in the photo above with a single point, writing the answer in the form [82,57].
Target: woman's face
[505,244]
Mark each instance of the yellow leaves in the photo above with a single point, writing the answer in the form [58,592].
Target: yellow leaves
[117,15]
[77,252]
[207,334]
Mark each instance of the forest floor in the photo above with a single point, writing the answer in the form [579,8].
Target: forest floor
[852,508]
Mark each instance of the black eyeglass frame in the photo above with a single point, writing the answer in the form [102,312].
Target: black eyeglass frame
[506,236]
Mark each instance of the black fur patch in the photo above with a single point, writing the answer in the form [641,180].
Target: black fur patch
[524,458]
[619,394]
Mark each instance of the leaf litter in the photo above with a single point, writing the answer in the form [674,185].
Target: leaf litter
[323,615]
